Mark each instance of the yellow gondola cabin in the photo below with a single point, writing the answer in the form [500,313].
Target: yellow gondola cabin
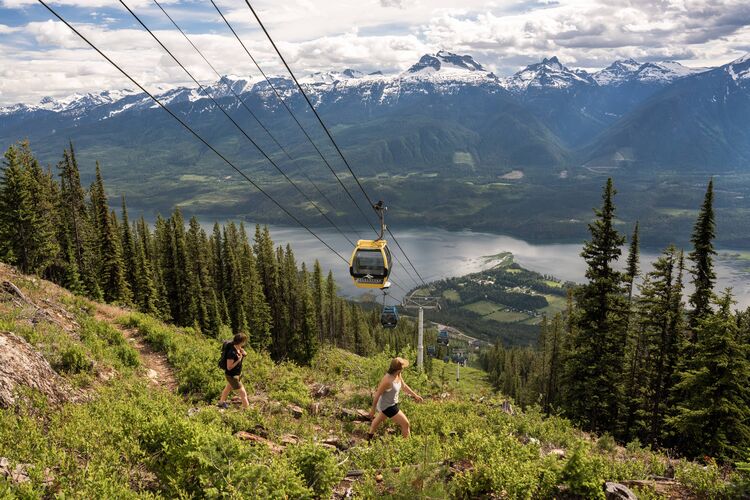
[370,264]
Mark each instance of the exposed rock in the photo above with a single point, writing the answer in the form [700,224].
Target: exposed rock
[339,444]
[20,473]
[355,415]
[558,452]
[246,436]
[320,390]
[617,491]
[288,439]
[330,447]
[152,374]
[297,411]
[22,366]
[193,411]
[507,408]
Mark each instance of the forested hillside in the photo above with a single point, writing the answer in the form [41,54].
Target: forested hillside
[117,400]
[128,413]
[218,283]
[630,358]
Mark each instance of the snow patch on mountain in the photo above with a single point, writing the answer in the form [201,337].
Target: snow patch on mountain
[739,69]
[549,73]
[629,70]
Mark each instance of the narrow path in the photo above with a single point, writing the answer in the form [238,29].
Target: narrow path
[155,364]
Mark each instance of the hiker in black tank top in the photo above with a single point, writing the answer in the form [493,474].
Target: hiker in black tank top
[386,397]
[234,355]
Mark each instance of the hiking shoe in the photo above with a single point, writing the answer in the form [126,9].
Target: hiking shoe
[223,405]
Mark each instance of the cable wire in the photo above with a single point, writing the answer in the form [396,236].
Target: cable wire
[325,128]
[280,99]
[242,102]
[278,96]
[189,129]
[196,135]
[237,125]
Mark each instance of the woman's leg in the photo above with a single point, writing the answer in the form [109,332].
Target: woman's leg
[243,396]
[376,422]
[225,393]
[403,422]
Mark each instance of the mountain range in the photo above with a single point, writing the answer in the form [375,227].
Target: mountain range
[446,142]
[630,113]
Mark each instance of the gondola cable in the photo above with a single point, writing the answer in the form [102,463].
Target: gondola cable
[328,133]
[194,133]
[280,99]
[190,129]
[244,105]
[234,122]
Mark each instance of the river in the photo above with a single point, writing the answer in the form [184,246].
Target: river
[438,253]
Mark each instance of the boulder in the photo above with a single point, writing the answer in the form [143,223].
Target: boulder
[617,491]
[22,366]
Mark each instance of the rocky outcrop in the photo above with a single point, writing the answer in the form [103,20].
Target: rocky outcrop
[22,367]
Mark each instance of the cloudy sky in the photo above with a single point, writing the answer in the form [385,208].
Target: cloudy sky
[40,57]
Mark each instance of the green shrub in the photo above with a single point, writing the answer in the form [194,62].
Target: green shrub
[606,443]
[74,360]
[318,466]
[582,476]
[705,481]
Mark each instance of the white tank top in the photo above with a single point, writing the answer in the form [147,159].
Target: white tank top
[389,396]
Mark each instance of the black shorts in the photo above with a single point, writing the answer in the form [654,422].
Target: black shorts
[391,411]
[234,381]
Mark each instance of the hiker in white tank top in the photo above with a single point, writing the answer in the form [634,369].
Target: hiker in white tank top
[385,399]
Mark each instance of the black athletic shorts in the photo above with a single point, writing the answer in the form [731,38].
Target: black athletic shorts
[391,411]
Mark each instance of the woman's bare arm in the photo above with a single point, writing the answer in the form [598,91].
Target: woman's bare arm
[410,391]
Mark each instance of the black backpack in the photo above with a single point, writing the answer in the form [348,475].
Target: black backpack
[224,349]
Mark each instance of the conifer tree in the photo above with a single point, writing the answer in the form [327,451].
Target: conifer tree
[165,264]
[187,302]
[16,215]
[704,276]
[129,253]
[318,296]
[712,415]
[661,325]
[595,364]
[308,336]
[147,297]
[234,279]
[258,312]
[330,309]
[633,264]
[200,281]
[27,228]
[112,281]
[268,270]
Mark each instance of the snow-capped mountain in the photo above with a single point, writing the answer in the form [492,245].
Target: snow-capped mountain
[548,74]
[442,72]
[73,103]
[739,69]
[423,113]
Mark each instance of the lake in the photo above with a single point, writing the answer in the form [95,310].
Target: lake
[438,253]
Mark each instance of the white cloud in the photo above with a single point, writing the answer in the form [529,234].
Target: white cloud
[46,58]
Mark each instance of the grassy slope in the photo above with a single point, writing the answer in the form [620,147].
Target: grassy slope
[134,439]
